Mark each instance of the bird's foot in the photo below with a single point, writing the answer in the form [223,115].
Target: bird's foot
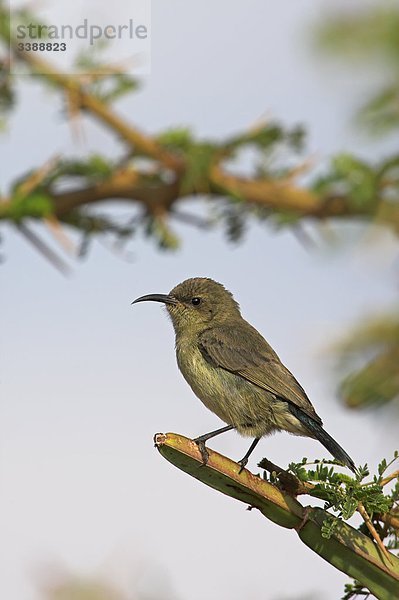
[243,464]
[202,448]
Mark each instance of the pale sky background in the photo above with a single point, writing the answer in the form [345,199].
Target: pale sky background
[86,379]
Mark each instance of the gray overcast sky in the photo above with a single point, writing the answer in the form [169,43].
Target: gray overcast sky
[86,379]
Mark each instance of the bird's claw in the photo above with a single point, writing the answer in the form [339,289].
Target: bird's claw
[202,448]
[243,464]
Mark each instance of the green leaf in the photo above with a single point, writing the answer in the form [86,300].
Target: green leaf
[164,236]
[199,159]
[349,507]
[36,205]
[178,138]
[382,466]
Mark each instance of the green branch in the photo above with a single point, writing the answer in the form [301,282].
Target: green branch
[347,549]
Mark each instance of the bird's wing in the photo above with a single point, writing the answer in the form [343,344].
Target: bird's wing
[241,349]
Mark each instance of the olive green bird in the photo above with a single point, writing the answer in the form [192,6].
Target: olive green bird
[235,372]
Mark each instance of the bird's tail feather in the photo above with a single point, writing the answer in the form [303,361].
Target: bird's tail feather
[324,438]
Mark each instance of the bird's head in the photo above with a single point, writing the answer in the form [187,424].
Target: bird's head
[196,303]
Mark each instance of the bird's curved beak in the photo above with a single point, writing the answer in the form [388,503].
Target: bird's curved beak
[166,299]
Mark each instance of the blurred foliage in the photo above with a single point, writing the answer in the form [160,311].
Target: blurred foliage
[77,589]
[7,93]
[370,358]
[365,184]
[155,173]
[369,38]
[137,579]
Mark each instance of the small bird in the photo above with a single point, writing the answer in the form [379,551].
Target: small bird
[235,372]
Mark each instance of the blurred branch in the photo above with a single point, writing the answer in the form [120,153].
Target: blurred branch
[43,249]
[161,170]
[99,109]
[346,548]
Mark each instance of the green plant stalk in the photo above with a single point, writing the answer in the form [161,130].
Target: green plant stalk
[347,549]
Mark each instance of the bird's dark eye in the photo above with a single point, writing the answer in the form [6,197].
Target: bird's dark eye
[196,301]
